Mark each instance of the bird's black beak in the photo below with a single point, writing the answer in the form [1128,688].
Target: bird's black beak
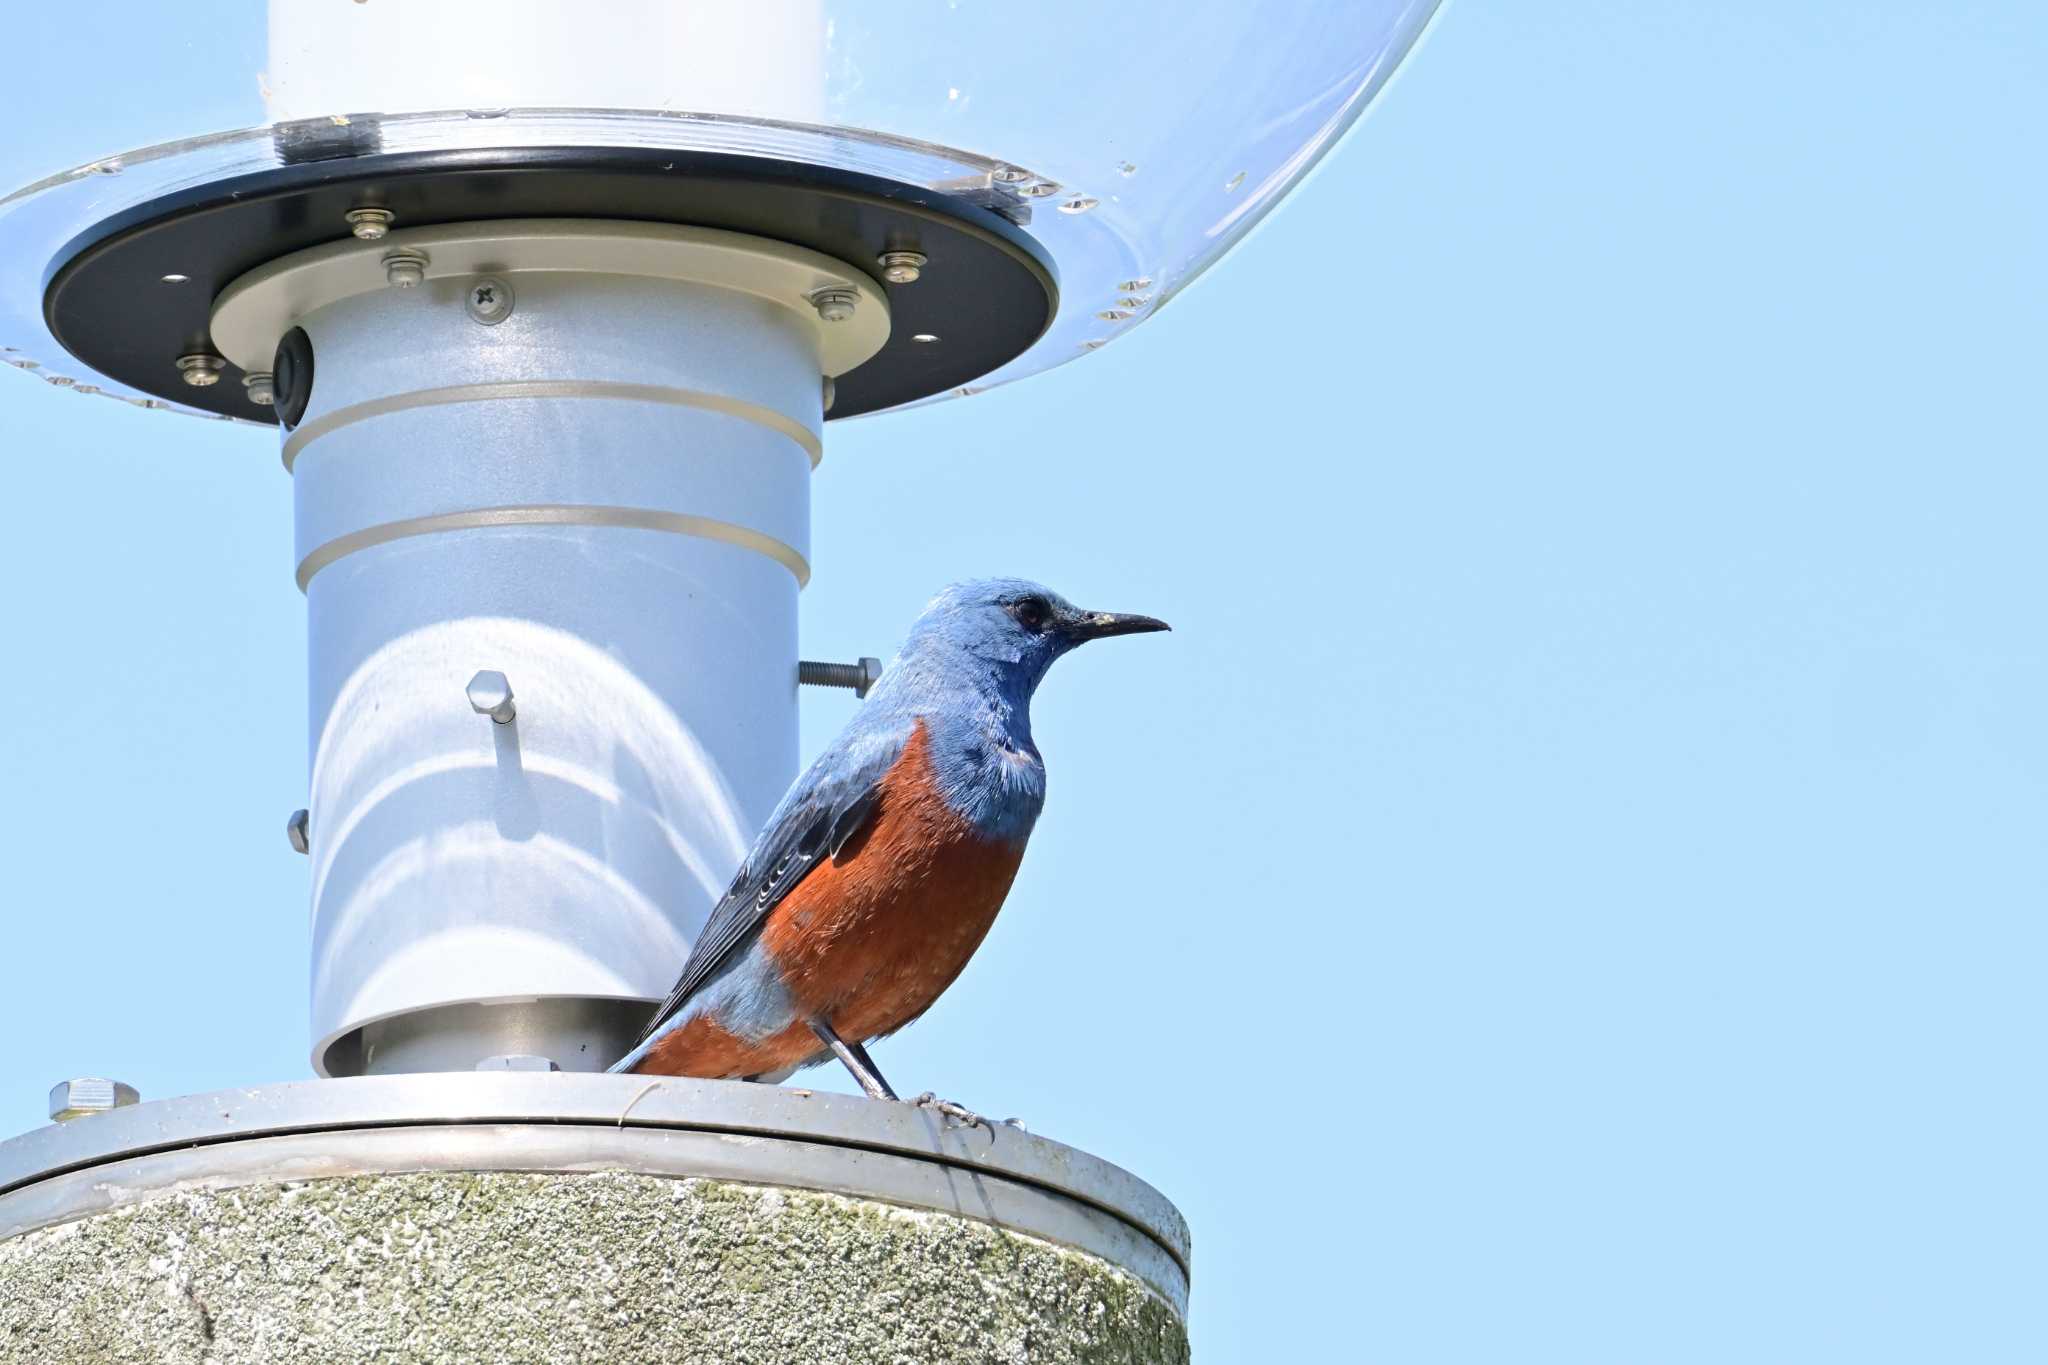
[1096,625]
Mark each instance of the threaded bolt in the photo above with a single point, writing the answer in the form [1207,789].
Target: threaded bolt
[857,678]
[260,389]
[369,225]
[902,267]
[84,1095]
[405,268]
[835,304]
[200,371]
[490,694]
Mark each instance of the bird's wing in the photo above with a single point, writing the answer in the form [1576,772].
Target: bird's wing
[828,805]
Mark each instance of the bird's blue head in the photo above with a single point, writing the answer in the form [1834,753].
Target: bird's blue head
[1010,629]
[968,670]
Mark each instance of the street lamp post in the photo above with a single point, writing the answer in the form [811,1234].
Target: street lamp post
[548,306]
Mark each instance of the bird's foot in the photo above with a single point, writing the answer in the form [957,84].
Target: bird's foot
[959,1115]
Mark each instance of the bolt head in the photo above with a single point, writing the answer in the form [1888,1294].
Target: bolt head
[835,304]
[84,1095]
[870,674]
[490,694]
[902,267]
[200,371]
[517,1061]
[261,391]
[488,301]
[369,225]
[298,831]
[405,269]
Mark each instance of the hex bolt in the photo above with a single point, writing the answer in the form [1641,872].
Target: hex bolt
[200,370]
[901,267]
[84,1095]
[368,225]
[517,1061]
[858,678]
[261,391]
[836,303]
[298,831]
[489,301]
[405,268]
[490,694]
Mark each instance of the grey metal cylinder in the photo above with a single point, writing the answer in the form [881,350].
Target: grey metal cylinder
[537,1216]
[602,494]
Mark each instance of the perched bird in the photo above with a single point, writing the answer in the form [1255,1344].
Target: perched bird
[883,868]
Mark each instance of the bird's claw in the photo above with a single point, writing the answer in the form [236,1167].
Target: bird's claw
[957,1113]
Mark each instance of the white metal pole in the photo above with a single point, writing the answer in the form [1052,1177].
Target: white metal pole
[603,496]
[586,471]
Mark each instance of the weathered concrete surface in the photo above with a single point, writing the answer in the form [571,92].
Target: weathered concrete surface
[477,1268]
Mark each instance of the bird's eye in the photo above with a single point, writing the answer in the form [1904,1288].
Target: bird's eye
[1032,613]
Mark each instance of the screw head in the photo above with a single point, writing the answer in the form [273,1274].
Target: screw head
[488,301]
[836,303]
[298,832]
[368,225]
[261,391]
[490,694]
[200,371]
[84,1095]
[902,267]
[517,1061]
[405,268]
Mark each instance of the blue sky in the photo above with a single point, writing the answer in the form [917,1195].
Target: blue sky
[1571,887]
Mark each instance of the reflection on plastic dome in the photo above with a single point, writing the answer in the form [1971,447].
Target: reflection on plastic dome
[1136,142]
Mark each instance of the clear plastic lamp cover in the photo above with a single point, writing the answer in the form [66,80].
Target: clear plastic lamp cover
[1135,142]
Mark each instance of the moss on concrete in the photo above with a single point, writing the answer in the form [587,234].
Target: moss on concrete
[498,1267]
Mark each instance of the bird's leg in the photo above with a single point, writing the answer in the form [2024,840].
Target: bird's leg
[856,1059]
[860,1054]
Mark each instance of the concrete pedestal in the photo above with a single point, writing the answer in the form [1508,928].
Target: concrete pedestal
[483,1218]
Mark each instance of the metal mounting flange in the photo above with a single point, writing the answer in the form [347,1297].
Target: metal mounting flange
[253,312]
[983,294]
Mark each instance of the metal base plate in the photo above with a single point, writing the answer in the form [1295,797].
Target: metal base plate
[136,292]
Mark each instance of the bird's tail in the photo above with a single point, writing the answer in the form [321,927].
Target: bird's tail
[632,1059]
[689,1010]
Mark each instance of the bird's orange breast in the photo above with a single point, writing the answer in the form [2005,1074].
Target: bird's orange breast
[869,939]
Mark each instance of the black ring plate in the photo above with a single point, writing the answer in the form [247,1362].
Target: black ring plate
[988,291]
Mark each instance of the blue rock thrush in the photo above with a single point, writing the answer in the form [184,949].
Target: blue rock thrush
[883,868]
